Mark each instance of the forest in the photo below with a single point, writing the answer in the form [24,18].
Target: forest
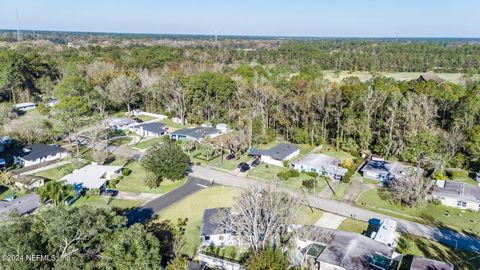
[264,89]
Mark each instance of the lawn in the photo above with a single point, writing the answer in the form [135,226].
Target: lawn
[353,225]
[7,192]
[340,155]
[340,191]
[228,165]
[60,171]
[174,126]
[120,141]
[418,246]
[377,200]
[192,207]
[305,216]
[135,181]
[107,201]
[147,143]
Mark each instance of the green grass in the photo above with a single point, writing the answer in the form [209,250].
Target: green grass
[106,201]
[340,191]
[120,141]
[353,225]
[173,125]
[146,118]
[229,165]
[135,181]
[370,181]
[7,192]
[228,252]
[144,144]
[60,171]
[340,155]
[305,216]
[418,246]
[192,207]
[438,215]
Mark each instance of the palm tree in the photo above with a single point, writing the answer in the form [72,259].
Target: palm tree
[55,191]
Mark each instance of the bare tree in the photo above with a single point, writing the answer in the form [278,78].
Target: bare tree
[30,130]
[262,216]
[409,190]
[123,90]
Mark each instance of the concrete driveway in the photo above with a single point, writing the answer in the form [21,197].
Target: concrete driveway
[330,221]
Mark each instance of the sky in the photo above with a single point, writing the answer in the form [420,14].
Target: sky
[320,18]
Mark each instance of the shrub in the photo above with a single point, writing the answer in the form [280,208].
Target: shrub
[457,173]
[198,163]
[312,174]
[437,175]
[285,175]
[309,183]
[126,171]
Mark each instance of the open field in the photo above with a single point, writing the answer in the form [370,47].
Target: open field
[428,213]
[135,181]
[107,201]
[402,76]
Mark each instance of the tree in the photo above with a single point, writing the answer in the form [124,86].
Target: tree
[28,130]
[409,190]
[174,95]
[207,150]
[179,263]
[309,183]
[7,179]
[55,191]
[267,259]
[262,215]
[188,145]
[123,90]
[166,161]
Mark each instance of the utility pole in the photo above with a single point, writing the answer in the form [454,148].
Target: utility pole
[221,149]
[19,34]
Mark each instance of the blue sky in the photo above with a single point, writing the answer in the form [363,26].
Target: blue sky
[338,18]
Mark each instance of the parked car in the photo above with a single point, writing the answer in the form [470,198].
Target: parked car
[138,120]
[110,192]
[255,162]
[230,156]
[243,167]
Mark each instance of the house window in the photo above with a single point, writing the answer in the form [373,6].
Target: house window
[207,238]
[461,204]
[220,238]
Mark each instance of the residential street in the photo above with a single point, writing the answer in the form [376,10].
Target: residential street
[445,236]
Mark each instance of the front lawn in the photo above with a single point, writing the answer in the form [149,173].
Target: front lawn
[107,201]
[60,171]
[193,206]
[463,260]
[353,225]
[147,143]
[377,200]
[135,181]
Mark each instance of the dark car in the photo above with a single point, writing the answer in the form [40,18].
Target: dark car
[230,156]
[138,120]
[243,167]
[255,162]
[110,192]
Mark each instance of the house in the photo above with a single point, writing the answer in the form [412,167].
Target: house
[383,231]
[39,153]
[92,176]
[223,128]
[321,164]
[196,133]
[121,123]
[420,263]
[26,106]
[322,248]
[138,112]
[277,154]
[381,170]
[457,194]
[430,76]
[211,261]
[22,205]
[215,229]
[149,129]
[29,181]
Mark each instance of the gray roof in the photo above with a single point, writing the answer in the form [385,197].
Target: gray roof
[154,127]
[121,121]
[346,249]
[322,162]
[420,263]
[212,222]
[22,205]
[431,76]
[278,152]
[395,168]
[196,132]
[458,190]
[41,150]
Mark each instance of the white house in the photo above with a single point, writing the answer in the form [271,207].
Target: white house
[196,133]
[26,106]
[277,154]
[149,129]
[223,128]
[93,176]
[38,153]
[215,229]
[321,164]
[219,263]
[382,170]
[121,123]
[457,194]
[384,231]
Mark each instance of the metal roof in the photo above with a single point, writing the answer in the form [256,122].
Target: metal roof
[322,162]
[154,127]
[22,205]
[90,176]
[458,190]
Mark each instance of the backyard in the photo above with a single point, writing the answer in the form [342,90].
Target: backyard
[134,182]
[60,171]
[429,213]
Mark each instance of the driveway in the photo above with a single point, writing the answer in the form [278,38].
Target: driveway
[442,235]
[330,221]
[145,197]
[148,210]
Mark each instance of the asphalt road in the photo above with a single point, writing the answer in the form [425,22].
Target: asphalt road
[442,235]
[148,210]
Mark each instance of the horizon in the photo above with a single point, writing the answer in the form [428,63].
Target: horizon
[307,18]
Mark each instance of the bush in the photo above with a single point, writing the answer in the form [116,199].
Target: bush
[126,171]
[312,174]
[309,183]
[437,175]
[285,175]
[457,173]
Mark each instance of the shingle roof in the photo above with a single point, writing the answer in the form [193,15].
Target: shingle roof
[154,127]
[41,150]
[346,249]
[431,76]
[395,168]
[420,263]
[197,132]
[278,152]
[322,162]
[213,221]
[460,191]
